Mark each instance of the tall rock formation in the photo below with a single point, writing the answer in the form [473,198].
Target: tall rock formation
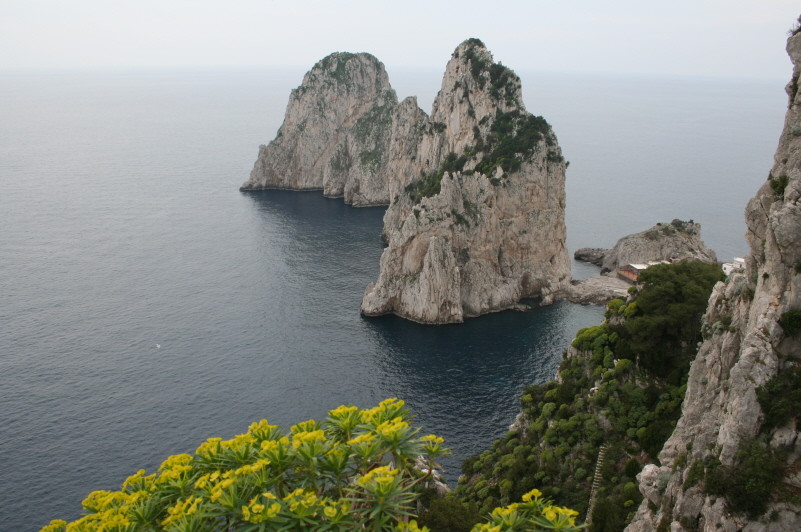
[477,199]
[476,190]
[335,135]
[734,459]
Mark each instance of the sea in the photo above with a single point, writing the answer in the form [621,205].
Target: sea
[147,304]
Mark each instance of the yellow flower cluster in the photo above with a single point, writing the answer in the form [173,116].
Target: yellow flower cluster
[391,428]
[379,475]
[560,514]
[533,494]
[312,436]
[262,429]
[386,409]
[533,513]
[182,509]
[334,474]
[257,512]
[343,411]
[365,438]
[411,526]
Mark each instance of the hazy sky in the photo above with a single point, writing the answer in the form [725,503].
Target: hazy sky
[742,38]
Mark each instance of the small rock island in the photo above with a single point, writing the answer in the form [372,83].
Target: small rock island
[671,242]
[476,191]
[664,241]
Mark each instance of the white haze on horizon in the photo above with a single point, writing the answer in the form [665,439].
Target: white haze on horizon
[710,38]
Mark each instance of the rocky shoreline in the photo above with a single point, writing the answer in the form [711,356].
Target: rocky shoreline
[598,290]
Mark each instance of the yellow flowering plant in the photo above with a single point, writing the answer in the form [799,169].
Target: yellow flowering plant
[357,469]
[534,514]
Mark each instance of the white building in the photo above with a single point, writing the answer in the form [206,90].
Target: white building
[736,265]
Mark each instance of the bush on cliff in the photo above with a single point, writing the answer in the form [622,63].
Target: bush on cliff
[662,334]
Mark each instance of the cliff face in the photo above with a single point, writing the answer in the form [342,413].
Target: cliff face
[664,241]
[752,340]
[476,217]
[336,133]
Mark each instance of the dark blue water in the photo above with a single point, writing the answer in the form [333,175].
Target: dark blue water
[146,304]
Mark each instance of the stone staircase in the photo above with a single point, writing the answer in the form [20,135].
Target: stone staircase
[596,482]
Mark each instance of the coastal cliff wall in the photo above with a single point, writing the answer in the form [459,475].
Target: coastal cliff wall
[477,221]
[733,461]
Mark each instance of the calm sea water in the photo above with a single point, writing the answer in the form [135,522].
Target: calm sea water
[146,304]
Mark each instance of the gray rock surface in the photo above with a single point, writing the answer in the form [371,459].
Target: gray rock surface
[485,235]
[591,255]
[336,133]
[598,290]
[744,348]
[664,241]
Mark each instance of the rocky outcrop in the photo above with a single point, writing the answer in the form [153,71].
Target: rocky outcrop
[336,133]
[676,240]
[591,255]
[751,340]
[598,290]
[476,220]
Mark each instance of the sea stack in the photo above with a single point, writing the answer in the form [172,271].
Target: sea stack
[335,133]
[477,202]
[733,460]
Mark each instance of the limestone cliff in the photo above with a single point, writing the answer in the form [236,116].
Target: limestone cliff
[677,239]
[727,431]
[336,133]
[476,216]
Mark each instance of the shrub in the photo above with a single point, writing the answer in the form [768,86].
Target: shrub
[514,135]
[430,185]
[449,514]
[748,485]
[780,398]
[666,326]
[791,322]
[694,475]
[778,184]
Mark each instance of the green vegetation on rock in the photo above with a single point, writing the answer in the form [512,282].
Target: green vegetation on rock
[430,184]
[618,389]
[513,137]
[780,398]
[336,65]
[778,184]
[791,322]
[749,484]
